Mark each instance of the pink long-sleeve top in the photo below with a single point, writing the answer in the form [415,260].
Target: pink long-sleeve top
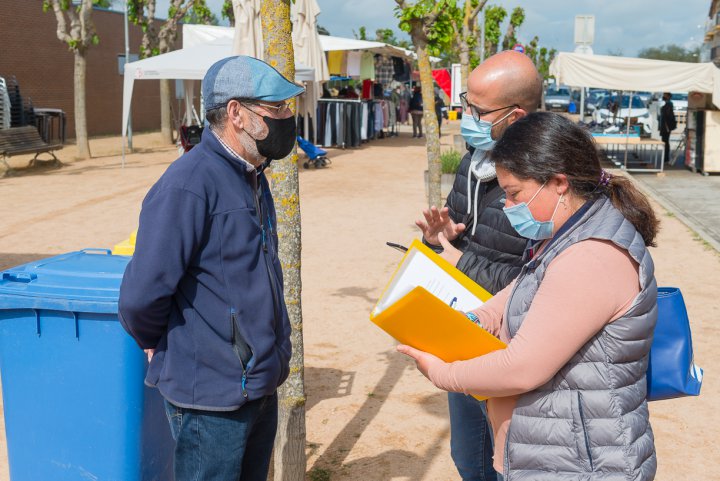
[587,286]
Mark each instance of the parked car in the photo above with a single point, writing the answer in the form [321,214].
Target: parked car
[645,96]
[614,110]
[680,101]
[557,98]
[593,97]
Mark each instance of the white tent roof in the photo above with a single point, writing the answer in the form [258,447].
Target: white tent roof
[187,63]
[194,35]
[636,74]
[199,34]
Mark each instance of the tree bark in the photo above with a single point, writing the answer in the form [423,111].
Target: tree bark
[464,64]
[166,127]
[81,133]
[432,136]
[465,32]
[290,462]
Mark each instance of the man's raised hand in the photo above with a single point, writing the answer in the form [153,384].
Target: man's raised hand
[437,221]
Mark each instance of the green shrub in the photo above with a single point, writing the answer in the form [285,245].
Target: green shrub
[319,474]
[450,161]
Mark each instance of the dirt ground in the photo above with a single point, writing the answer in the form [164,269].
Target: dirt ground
[370,414]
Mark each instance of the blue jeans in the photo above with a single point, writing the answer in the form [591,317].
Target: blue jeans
[224,446]
[471,439]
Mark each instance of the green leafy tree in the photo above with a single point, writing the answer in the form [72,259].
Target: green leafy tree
[290,461]
[227,12]
[322,30]
[430,26]
[159,37]
[387,35]
[361,34]
[494,17]
[76,29]
[517,17]
[202,16]
[532,49]
[541,56]
[544,60]
[465,25]
[672,52]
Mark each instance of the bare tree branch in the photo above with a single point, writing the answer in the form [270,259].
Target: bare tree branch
[182,10]
[62,30]
[433,16]
[475,12]
[87,28]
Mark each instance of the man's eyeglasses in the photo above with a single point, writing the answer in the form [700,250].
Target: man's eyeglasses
[278,109]
[475,111]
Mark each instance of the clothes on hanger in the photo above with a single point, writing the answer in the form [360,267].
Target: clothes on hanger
[354,60]
[367,66]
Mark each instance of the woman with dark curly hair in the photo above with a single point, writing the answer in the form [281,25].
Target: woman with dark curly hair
[568,394]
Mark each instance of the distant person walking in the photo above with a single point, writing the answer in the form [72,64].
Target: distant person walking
[439,106]
[416,112]
[403,104]
[668,123]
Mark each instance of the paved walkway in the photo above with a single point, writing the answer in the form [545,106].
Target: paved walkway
[693,198]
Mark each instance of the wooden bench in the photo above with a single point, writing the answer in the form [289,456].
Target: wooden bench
[25,140]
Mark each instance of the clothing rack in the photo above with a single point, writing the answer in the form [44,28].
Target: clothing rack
[357,101]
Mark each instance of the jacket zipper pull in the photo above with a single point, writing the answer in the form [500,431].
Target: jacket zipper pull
[242,383]
[264,243]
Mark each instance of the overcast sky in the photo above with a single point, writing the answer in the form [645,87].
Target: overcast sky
[620,25]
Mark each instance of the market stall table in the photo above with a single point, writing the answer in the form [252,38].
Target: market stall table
[643,155]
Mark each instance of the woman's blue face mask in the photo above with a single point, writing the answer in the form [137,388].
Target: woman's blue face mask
[525,223]
[478,133]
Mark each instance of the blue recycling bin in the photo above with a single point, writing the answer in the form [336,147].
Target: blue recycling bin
[74,399]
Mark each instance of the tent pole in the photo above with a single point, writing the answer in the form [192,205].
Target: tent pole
[627,122]
[123,153]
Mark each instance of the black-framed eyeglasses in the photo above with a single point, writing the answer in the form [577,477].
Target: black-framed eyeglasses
[475,111]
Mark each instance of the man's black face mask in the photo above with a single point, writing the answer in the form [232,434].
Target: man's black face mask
[280,139]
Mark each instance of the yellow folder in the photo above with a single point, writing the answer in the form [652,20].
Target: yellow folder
[421,320]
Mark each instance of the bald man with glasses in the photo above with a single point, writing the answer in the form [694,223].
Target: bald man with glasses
[472,231]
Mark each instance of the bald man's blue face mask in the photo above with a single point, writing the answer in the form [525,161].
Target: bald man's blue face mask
[478,133]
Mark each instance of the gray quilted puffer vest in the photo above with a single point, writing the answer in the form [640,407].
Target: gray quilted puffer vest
[590,421]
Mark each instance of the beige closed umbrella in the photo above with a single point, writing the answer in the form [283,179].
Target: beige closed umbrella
[248,29]
[306,40]
[309,52]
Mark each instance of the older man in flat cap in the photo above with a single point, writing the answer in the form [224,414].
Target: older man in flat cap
[203,294]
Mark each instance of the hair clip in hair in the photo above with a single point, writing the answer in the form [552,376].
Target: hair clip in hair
[605,178]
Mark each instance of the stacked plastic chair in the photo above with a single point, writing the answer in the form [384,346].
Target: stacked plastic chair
[16,103]
[28,112]
[4,105]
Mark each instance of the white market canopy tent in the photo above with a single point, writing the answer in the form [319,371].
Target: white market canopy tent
[185,64]
[200,34]
[636,74]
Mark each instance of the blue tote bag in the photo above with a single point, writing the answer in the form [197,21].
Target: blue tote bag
[672,372]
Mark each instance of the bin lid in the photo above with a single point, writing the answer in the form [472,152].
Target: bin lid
[82,281]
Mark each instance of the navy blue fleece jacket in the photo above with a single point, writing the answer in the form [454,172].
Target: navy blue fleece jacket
[204,288]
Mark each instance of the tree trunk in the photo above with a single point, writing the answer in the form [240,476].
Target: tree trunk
[432,136]
[81,133]
[466,29]
[290,462]
[166,128]
[464,64]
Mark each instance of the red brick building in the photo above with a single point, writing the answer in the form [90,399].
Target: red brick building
[43,66]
